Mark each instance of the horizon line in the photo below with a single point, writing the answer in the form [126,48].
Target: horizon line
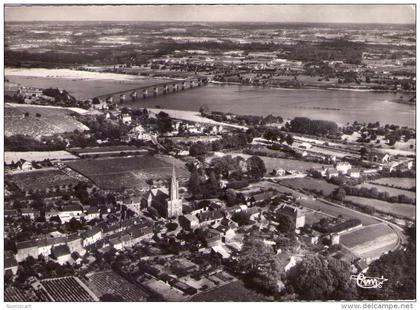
[203,21]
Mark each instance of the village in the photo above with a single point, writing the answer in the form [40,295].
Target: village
[168,208]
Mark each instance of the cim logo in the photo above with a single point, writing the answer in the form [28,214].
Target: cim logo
[368,282]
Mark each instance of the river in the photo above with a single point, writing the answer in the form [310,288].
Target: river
[340,106]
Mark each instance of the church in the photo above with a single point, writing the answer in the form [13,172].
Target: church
[167,203]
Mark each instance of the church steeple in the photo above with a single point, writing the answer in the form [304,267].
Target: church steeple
[174,185]
[174,207]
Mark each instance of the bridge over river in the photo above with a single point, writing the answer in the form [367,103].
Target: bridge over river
[162,88]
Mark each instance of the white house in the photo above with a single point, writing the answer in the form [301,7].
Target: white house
[91,236]
[354,173]
[343,167]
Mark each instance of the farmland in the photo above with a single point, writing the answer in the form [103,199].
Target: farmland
[67,289]
[398,209]
[45,178]
[109,282]
[281,163]
[280,188]
[370,241]
[37,156]
[390,190]
[310,184]
[39,121]
[398,182]
[127,172]
[337,211]
[80,84]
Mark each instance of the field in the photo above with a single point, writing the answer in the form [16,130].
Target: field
[398,209]
[234,291]
[390,190]
[41,179]
[280,188]
[281,163]
[51,121]
[68,289]
[399,182]
[80,84]
[336,211]
[109,282]
[310,184]
[36,156]
[370,241]
[127,172]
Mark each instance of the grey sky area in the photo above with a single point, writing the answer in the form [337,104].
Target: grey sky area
[234,13]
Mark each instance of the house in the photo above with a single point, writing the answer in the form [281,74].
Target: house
[10,263]
[354,173]
[261,197]
[28,212]
[209,217]
[120,241]
[10,213]
[92,213]
[379,157]
[26,249]
[222,250]
[91,236]
[139,133]
[61,254]
[74,243]
[189,222]
[310,238]
[212,237]
[45,244]
[343,167]
[331,172]
[24,165]
[70,211]
[131,202]
[280,172]
[126,118]
[228,233]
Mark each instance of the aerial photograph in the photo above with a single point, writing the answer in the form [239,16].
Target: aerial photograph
[209,153]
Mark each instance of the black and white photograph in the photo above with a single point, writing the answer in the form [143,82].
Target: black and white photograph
[209,152]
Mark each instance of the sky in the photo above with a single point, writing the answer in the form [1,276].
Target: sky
[404,14]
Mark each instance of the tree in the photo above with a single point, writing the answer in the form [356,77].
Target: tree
[164,122]
[289,139]
[322,278]
[194,182]
[198,148]
[261,265]
[231,197]
[213,185]
[171,226]
[255,167]
[204,109]
[96,101]
[339,194]
[363,152]
[286,226]
[242,218]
